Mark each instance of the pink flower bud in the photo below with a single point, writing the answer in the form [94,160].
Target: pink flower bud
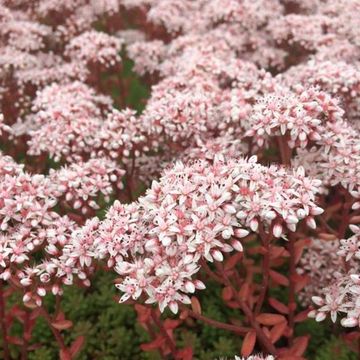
[217,255]
[236,244]
[199,284]
[240,233]
[41,291]
[349,322]
[25,281]
[318,300]
[174,307]
[254,225]
[277,230]
[316,211]
[190,287]
[310,222]
[55,289]
[27,297]
[229,209]
[320,316]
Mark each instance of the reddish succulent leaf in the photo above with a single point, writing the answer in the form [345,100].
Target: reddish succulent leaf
[270,319]
[17,312]
[35,313]
[10,290]
[301,316]
[355,219]
[185,354]
[354,335]
[248,343]
[277,251]
[233,304]
[266,331]
[60,316]
[231,262]
[14,340]
[143,313]
[64,355]
[30,304]
[35,346]
[195,305]
[153,345]
[327,236]
[170,324]
[279,306]
[227,293]
[184,315]
[277,331]
[300,245]
[244,290]
[256,250]
[300,282]
[279,278]
[77,345]
[62,324]
[300,345]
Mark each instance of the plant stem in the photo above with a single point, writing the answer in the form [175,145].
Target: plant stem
[3,323]
[59,339]
[26,337]
[169,340]
[263,339]
[291,302]
[265,239]
[219,324]
[285,152]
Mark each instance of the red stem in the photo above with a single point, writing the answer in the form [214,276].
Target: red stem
[149,328]
[218,324]
[265,239]
[292,302]
[169,340]
[26,337]
[285,152]
[3,324]
[59,339]
[263,339]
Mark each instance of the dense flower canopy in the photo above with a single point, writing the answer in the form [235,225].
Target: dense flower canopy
[250,134]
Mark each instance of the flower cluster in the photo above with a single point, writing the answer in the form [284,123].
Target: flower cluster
[95,47]
[322,264]
[255,357]
[342,294]
[65,121]
[197,212]
[303,115]
[82,183]
[249,136]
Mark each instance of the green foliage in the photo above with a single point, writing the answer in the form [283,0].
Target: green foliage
[112,332]
[138,92]
[209,342]
[334,349]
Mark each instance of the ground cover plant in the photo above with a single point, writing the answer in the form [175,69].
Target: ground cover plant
[179,179]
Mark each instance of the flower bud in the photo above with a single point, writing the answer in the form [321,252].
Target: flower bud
[174,307]
[277,230]
[217,255]
[240,233]
[320,316]
[236,244]
[41,291]
[190,287]
[310,222]
[199,284]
